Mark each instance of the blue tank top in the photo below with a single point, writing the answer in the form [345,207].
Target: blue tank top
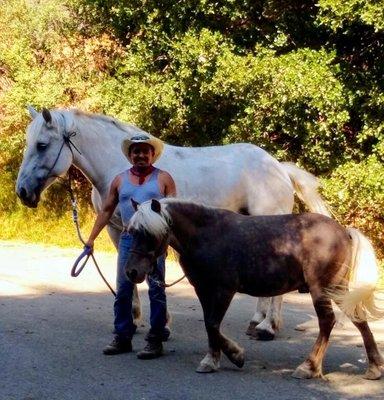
[140,193]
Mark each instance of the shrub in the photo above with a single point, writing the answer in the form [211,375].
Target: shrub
[355,192]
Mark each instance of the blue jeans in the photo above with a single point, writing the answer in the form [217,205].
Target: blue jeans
[124,325]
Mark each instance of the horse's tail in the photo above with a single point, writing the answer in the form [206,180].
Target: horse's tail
[306,185]
[360,302]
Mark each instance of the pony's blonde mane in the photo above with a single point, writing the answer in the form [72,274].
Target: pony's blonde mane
[153,222]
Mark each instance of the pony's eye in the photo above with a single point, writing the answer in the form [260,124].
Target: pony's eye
[41,146]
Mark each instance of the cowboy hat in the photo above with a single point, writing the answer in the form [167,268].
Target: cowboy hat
[157,145]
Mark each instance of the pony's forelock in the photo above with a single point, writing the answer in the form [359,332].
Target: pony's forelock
[153,222]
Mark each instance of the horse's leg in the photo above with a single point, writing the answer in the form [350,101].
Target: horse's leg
[312,366]
[268,327]
[114,234]
[267,319]
[375,359]
[262,304]
[215,303]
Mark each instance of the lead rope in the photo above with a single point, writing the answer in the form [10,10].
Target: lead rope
[163,284]
[87,252]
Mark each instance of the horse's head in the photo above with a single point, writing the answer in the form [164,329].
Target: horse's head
[46,156]
[150,233]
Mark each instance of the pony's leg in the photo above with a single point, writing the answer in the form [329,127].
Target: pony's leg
[375,359]
[215,303]
[114,234]
[267,328]
[312,366]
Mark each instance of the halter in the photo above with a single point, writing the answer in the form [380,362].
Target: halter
[152,259]
[66,141]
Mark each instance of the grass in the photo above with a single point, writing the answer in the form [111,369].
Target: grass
[38,226]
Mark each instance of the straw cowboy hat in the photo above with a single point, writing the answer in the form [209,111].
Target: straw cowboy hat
[157,145]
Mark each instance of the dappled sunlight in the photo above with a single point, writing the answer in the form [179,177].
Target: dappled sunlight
[28,269]
[352,385]
[13,289]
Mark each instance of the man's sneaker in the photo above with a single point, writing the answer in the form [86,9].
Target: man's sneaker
[153,349]
[118,345]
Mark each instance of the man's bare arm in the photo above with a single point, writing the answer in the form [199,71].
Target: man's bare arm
[106,212]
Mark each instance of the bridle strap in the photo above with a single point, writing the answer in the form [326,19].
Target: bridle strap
[153,259]
[66,141]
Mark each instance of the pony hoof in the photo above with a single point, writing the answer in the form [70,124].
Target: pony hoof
[205,369]
[251,331]
[373,373]
[262,334]
[237,358]
[304,371]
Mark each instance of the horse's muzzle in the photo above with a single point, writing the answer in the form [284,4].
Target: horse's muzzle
[134,276]
[30,200]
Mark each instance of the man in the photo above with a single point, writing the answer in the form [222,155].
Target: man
[140,183]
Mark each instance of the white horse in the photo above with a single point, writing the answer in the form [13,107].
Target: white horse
[239,177]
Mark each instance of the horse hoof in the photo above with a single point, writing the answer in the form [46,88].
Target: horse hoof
[304,371]
[238,358]
[262,334]
[373,373]
[205,369]
[251,331]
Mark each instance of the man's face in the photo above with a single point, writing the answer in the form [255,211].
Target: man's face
[141,154]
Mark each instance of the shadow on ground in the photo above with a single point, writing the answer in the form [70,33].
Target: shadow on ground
[52,346]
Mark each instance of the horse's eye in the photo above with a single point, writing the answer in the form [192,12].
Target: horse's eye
[41,146]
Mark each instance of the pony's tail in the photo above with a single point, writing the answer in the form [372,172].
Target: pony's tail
[306,186]
[360,302]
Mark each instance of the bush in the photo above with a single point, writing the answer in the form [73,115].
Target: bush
[355,192]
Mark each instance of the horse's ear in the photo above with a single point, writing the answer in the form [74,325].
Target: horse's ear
[32,112]
[156,206]
[47,116]
[135,204]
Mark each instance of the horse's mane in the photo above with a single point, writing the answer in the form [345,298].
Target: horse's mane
[158,224]
[148,220]
[73,119]
[126,127]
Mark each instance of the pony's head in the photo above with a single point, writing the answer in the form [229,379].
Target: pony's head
[45,157]
[149,227]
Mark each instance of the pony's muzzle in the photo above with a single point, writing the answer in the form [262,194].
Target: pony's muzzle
[134,276]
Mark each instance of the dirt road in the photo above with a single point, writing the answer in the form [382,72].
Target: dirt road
[53,328]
